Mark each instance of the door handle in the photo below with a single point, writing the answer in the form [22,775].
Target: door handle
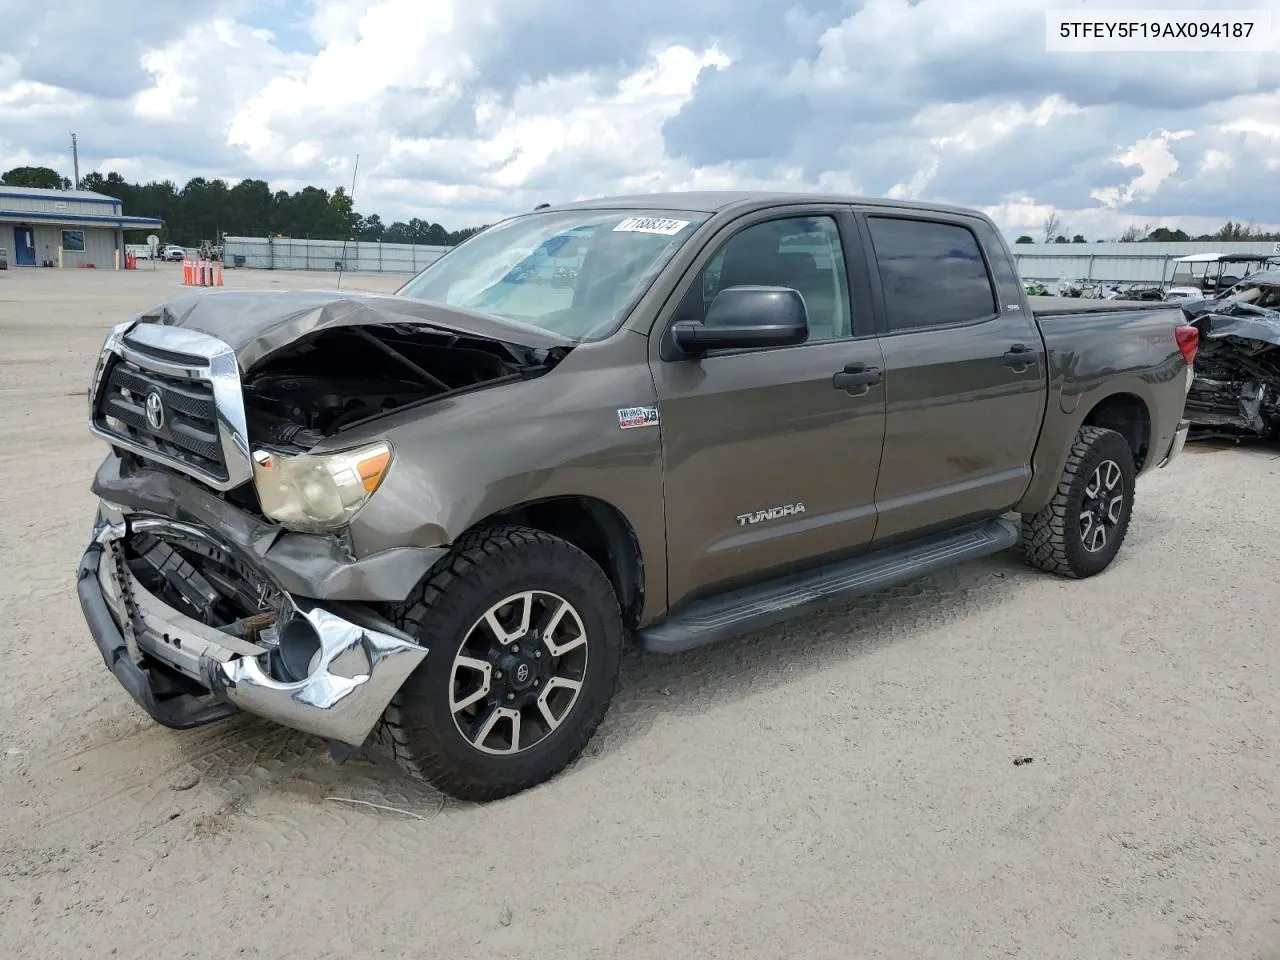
[857,378]
[1018,357]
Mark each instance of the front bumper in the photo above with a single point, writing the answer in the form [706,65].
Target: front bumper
[185,673]
[1179,441]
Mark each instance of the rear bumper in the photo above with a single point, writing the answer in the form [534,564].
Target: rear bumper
[1179,441]
[345,666]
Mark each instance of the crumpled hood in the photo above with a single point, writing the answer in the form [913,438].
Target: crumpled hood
[257,323]
[1227,319]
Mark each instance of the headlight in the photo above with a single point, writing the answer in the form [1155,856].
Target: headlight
[314,492]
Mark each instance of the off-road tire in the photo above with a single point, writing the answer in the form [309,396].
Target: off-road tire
[1051,539]
[483,567]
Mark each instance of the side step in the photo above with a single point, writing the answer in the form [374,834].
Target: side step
[750,608]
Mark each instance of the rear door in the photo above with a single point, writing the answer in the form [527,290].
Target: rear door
[771,455]
[964,371]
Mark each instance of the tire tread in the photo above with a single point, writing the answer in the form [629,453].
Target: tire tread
[418,755]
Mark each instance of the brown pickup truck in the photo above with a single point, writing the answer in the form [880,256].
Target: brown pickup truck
[437,518]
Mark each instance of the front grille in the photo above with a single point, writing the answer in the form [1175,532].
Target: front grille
[188,432]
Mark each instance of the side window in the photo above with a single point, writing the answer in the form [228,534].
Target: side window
[803,253]
[932,273]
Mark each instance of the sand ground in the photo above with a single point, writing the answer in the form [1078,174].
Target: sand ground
[841,788]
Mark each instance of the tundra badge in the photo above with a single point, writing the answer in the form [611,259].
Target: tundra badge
[773,513]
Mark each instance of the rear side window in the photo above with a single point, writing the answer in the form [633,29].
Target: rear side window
[932,273]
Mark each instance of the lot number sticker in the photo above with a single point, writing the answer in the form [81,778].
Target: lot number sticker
[659,225]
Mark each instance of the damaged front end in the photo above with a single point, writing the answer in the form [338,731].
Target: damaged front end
[220,575]
[1236,389]
[194,632]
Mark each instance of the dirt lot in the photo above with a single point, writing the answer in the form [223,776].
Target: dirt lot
[842,788]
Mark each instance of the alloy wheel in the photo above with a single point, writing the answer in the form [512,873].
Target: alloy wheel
[1103,506]
[518,672]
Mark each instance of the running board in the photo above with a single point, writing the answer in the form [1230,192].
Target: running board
[749,608]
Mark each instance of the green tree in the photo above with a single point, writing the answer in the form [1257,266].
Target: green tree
[43,178]
[1024,239]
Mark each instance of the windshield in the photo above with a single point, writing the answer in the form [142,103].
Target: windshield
[576,273]
[1263,292]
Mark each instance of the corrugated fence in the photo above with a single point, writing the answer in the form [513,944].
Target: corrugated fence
[1119,262]
[1105,262]
[282,253]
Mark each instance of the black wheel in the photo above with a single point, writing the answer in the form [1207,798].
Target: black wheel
[524,640]
[1079,532]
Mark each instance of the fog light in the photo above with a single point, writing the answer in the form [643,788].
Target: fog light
[298,652]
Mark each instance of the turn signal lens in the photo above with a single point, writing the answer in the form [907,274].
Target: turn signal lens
[371,470]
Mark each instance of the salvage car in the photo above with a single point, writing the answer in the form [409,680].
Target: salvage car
[1236,389]
[437,518]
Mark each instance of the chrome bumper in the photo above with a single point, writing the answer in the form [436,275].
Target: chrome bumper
[356,663]
[1179,441]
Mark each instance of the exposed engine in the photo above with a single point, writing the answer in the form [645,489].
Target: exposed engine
[342,377]
[1236,393]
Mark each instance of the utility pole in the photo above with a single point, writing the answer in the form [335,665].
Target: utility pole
[75,159]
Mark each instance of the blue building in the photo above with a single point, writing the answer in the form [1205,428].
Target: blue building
[64,228]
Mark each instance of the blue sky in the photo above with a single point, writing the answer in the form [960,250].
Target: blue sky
[463,111]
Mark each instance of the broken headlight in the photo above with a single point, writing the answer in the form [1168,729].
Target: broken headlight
[315,492]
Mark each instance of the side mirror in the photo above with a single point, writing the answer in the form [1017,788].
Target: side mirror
[746,317]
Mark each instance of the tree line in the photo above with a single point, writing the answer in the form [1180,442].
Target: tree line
[208,209]
[1052,231]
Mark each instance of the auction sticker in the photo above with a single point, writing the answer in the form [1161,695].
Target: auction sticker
[629,417]
[659,225]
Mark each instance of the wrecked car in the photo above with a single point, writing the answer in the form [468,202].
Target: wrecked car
[1236,388]
[436,518]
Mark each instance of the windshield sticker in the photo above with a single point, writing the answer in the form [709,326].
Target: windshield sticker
[629,417]
[659,225]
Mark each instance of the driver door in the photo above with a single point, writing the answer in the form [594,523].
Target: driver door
[769,464]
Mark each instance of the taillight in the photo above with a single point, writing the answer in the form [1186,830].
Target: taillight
[1188,342]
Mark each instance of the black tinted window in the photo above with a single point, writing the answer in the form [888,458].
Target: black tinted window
[803,253]
[932,273]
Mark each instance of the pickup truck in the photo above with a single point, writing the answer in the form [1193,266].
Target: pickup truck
[436,519]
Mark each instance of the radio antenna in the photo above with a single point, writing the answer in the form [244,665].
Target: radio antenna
[345,232]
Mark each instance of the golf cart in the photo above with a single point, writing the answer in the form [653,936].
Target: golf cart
[1202,275]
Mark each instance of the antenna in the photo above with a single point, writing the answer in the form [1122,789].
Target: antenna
[353,210]
[75,159]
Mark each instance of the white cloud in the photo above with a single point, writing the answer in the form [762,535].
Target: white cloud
[464,110]
[1157,163]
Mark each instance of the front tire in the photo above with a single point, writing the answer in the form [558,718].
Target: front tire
[1078,534]
[524,640]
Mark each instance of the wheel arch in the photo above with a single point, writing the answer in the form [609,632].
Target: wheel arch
[598,529]
[1128,415]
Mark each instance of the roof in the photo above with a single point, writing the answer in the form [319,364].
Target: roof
[1261,278]
[1227,258]
[40,193]
[71,218]
[713,201]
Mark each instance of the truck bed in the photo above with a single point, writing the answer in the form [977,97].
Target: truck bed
[1059,306]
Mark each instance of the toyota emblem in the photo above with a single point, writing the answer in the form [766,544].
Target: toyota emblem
[155,410]
[522,673]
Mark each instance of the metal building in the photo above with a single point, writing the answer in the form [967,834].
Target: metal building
[65,228]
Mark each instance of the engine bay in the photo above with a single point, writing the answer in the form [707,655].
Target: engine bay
[338,378]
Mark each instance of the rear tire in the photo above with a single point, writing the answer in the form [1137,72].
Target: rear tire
[524,640]
[1079,532]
